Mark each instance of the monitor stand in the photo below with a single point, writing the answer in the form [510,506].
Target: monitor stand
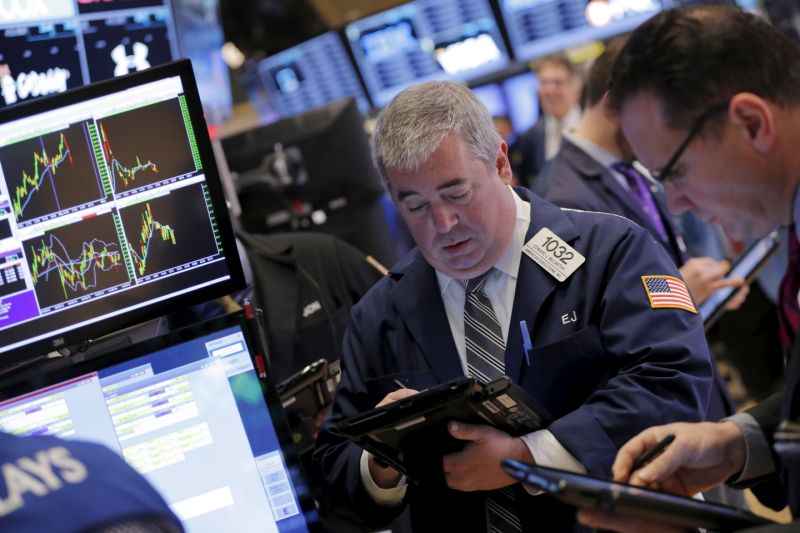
[82,352]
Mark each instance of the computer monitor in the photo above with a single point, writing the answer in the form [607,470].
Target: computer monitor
[49,46]
[121,43]
[190,413]
[314,172]
[491,95]
[38,60]
[425,40]
[513,97]
[309,75]
[111,211]
[53,45]
[523,104]
[537,28]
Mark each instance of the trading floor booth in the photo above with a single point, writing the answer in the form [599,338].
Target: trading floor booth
[111,216]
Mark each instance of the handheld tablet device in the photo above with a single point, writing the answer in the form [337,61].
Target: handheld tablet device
[411,434]
[628,500]
[304,395]
[748,266]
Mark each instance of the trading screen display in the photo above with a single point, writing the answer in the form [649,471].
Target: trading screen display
[425,40]
[310,75]
[105,208]
[49,46]
[192,419]
[539,27]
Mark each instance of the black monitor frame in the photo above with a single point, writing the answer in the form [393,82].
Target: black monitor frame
[105,326]
[326,169]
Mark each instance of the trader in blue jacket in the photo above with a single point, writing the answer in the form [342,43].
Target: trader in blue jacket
[617,342]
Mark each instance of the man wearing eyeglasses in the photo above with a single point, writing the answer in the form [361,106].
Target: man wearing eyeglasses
[593,172]
[709,98]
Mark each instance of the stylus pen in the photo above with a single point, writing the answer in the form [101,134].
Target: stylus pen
[652,452]
[399,384]
[527,344]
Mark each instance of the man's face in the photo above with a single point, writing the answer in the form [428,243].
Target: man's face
[718,179]
[558,90]
[460,213]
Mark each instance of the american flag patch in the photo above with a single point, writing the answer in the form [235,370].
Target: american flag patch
[667,292]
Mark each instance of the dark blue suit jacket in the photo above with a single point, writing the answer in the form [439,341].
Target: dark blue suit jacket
[620,367]
[527,155]
[574,179]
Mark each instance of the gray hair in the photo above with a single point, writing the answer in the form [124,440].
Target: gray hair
[416,121]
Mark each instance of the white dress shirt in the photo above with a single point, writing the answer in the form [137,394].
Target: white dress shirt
[554,128]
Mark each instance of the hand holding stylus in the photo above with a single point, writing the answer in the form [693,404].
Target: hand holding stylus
[681,458]
[698,457]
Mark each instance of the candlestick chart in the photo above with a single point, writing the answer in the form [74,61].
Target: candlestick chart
[149,229]
[162,237]
[146,145]
[120,172]
[50,173]
[74,261]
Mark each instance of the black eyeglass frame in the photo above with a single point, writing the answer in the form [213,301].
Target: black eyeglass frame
[663,175]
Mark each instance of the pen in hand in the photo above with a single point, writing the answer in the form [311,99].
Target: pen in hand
[399,384]
[651,453]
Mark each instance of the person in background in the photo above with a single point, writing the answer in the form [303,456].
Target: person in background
[606,330]
[559,93]
[595,170]
[59,486]
[709,98]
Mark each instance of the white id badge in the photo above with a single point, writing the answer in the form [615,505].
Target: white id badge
[553,254]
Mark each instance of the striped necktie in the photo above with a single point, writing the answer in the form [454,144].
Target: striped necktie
[485,362]
[482,333]
[643,196]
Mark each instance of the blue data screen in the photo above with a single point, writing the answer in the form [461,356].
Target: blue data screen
[425,40]
[539,27]
[310,75]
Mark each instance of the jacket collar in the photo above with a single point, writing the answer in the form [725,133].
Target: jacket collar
[416,296]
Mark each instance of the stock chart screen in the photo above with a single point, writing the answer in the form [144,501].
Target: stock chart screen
[425,40]
[49,46]
[310,75]
[105,207]
[540,27]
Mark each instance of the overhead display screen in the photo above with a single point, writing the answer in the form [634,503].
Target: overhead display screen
[49,46]
[425,40]
[310,75]
[539,27]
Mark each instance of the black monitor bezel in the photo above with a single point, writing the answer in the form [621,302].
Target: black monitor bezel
[256,344]
[109,325]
